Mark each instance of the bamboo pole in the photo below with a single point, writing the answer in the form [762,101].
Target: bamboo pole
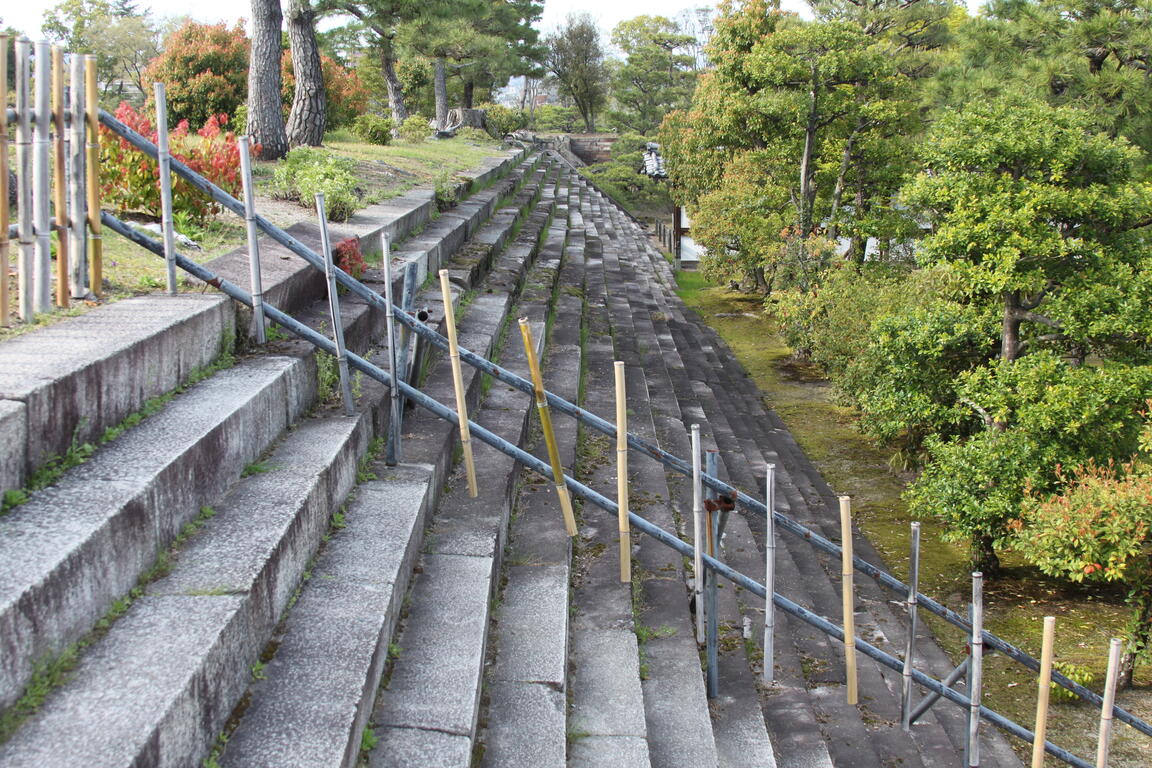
[78,281]
[165,159]
[27,259]
[458,383]
[4,212]
[1105,743]
[254,275]
[622,475]
[697,534]
[848,590]
[768,671]
[1043,689]
[334,310]
[712,629]
[976,671]
[92,171]
[913,619]
[393,448]
[58,178]
[546,426]
[41,179]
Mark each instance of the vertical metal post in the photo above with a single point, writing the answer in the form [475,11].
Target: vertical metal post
[334,309]
[848,598]
[41,174]
[165,159]
[712,635]
[913,618]
[59,180]
[408,340]
[92,174]
[1105,741]
[253,240]
[697,535]
[27,258]
[1043,689]
[768,673]
[392,449]
[4,212]
[975,671]
[624,528]
[78,246]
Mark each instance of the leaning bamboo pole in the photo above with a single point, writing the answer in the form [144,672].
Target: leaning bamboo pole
[458,384]
[546,427]
[59,181]
[92,168]
[78,245]
[622,475]
[4,212]
[849,598]
[1043,688]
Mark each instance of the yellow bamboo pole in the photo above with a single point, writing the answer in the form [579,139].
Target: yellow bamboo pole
[458,383]
[848,593]
[4,213]
[546,426]
[622,475]
[1044,686]
[1105,742]
[58,185]
[92,105]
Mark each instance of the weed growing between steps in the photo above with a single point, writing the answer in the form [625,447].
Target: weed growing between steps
[54,671]
[56,466]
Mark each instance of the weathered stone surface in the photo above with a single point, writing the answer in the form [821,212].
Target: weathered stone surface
[13,441]
[409,747]
[526,727]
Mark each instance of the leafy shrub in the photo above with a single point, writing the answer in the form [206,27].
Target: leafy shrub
[502,120]
[129,180]
[550,118]
[306,171]
[446,189]
[347,95]
[240,120]
[346,255]
[204,68]
[474,135]
[374,129]
[415,129]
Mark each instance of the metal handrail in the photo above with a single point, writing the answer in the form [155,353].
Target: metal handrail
[595,422]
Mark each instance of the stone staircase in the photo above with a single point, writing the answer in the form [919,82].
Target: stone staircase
[311,606]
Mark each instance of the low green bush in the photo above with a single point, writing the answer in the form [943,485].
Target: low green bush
[502,121]
[306,171]
[415,129]
[374,129]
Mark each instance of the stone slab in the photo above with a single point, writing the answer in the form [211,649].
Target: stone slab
[617,751]
[411,747]
[607,700]
[533,622]
[13,442]
[526,727]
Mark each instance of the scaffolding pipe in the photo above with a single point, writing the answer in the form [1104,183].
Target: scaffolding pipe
[334,309]
[4,212]
[254,275]
[41,175]
[605,427]
[933,697]
[697,514]
[913,617]
[92,172]
[59,179]
[976,673]
[768,669]
[712,630]
[78,276]
[165,159]
[27,259]
[393,448]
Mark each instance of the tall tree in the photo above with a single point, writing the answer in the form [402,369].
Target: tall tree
[308,118]
[576,59]
[265,115]
[123,40]
[657,75]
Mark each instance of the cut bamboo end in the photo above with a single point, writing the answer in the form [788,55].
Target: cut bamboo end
[1043,688]
[625,557]
[566,509]
[470,469]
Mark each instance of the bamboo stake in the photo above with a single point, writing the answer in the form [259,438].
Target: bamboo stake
[697,534]
[768,672]
[254,275]
[913,618]
[976,670]
[4,212]
[546,426]
[1043,688]
[41,179]
[1105,744]
[27,258]
[622,475]
[165,159]
[712,629]
[78,235]
[848,598]
[458,383]
[92,169]
[393,448]
[334,310]
[58,180]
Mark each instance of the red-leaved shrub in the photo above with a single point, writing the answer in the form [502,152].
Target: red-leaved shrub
[346,254]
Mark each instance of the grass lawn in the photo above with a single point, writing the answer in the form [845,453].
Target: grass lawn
[1086,616]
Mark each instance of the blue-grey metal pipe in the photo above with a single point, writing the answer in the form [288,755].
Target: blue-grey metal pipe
[561,405]
[711,634]
[545,470]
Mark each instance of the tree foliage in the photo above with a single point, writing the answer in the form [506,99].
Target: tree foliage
[657,75]
[204,69]
[576,59]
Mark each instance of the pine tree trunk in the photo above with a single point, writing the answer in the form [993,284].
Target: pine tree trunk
[440,88]
[309,116]
[265,112]
[392,81]
[469,94]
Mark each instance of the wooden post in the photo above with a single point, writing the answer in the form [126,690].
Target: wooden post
[622,475]
[1043,688]
[848,590]
[4,212]
[768,672]
[58,178]
[92,169]
[41,177]
[975,670]
[697,534]
[1105,743]
[78,277]
[27,258]
[458,383]
[546,427]
[164,157]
